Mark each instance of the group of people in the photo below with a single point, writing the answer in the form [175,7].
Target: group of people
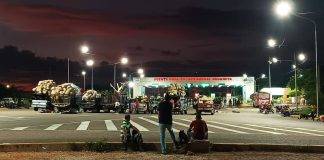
[197,130]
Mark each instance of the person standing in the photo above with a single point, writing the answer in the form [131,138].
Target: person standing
[165,120]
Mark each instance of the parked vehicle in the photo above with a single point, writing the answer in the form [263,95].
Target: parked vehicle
[41,102]
[260,99]
[154,103]
[9,103]
[205,104]
[67,103]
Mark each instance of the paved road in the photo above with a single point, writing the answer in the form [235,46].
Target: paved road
[249,126]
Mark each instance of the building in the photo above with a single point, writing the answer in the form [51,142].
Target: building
[212,86]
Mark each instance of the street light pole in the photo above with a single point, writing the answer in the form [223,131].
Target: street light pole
[68,70]
[295,63]
[115,74]
[92,77]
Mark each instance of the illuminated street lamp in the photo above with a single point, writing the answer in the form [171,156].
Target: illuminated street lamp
[123,60]
[124,75]
[142,75]
[255,81]
[83,73]
[140,71]
[284,9]
[272,43]
[8,86]
[84,49]
[90,63]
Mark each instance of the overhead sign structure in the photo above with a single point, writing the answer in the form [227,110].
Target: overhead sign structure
[247,84]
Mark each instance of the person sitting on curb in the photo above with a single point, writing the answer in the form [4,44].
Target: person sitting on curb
[125,134]
[199,128]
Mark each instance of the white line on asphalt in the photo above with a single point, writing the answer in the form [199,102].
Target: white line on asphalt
[83,126]
[252,129]
[53,127]
[139,127]
[222,128]
[304,129]
[110,125]
[181,124]
[155,123]
[19,128]
[284,130]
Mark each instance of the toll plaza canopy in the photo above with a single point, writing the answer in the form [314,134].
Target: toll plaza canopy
[141,85]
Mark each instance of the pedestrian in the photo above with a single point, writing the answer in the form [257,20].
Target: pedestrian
[125,133]
[165,120]
[198,129]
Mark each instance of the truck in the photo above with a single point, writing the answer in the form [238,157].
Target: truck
[105,103]
[41,102]
[205,104]
[260,99]
[66,103]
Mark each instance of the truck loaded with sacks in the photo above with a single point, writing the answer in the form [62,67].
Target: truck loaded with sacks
[58,98]
[95,102]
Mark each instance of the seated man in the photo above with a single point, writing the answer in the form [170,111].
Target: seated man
[199,127]
[125,134]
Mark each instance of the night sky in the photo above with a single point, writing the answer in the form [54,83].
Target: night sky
[165,37]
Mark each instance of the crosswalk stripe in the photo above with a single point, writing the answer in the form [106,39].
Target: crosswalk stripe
[110,125]
[181,124]
[287,130]
[252,129]
[83,126]
[155,123]
[19,128]
[139,127]
[53,127]
[222,128]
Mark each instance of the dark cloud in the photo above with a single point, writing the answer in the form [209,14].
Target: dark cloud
[166,52]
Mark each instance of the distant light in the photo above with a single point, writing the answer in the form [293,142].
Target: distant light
[84,49]
[301,57]
[283,8]
[274,60]
[294,66]
[301,75]
[124,75]
[142,75]
[244,76]
[90,62]
[140,71]
[131,84]
[124,60]
[272,43]
[263,76]
[8,86]
[83,73]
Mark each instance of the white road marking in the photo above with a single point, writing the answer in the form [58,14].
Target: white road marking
[139,127]
[304,129]
[222,128]
[284,130]
[83,126]
[19,128]
[110,125]
[252,129]
[53,127]
[155,123]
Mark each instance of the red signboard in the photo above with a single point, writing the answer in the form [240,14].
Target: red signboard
[191,79]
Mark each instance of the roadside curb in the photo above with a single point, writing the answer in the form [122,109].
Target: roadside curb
[111,146]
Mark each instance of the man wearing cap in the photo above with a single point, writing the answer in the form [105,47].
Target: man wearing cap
[199,127]
[165,120]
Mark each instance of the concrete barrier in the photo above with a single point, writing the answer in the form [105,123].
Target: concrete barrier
[219,147]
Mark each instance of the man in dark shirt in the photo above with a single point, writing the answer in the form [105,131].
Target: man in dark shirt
[165,120]
[199,127]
